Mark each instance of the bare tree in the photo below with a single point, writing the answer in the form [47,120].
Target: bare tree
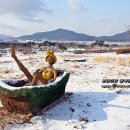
[128,28]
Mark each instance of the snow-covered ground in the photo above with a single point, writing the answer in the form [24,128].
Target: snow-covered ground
[90,107]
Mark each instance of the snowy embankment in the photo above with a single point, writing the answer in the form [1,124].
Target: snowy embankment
[90,107]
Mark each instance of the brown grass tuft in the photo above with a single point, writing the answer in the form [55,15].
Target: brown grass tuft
[5,70]
[101,59]
[122,51]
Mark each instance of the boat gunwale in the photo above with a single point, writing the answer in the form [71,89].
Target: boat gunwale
[4,85]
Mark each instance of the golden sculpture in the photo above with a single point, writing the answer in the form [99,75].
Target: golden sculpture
[45,74]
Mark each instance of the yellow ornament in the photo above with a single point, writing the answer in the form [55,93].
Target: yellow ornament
[50,53]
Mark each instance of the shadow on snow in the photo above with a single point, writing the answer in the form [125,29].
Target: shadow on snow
[88,105]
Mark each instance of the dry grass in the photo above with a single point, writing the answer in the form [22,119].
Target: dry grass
[5,70]
[122,51]
[91,51]
[121,61]
[101,59]
[118,51]
[7,119]
[123,74]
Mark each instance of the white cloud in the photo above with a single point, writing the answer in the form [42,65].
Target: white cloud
[76,5]
[24,9]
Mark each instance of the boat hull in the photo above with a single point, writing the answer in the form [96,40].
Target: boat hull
[31,100]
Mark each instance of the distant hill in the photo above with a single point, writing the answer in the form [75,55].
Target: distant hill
[3,37]
[63,34]
[125,36]
[59,34]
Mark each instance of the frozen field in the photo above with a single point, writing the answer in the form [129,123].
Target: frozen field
[90,107]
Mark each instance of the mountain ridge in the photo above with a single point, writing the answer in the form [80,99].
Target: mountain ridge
[3,36]
[68,35]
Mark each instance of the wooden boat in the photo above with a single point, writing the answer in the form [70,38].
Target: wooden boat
[17,97]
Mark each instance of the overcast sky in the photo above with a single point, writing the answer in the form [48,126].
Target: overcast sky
[93,17]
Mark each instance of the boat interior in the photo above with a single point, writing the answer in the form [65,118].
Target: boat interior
[25,82]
